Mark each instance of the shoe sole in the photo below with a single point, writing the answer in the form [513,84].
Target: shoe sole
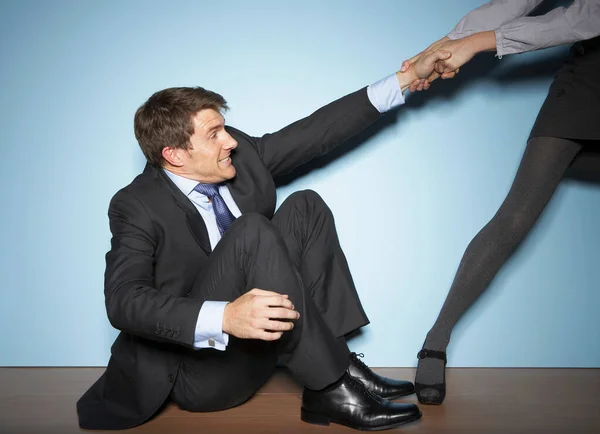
[426,402]
[397,396]
[320,419]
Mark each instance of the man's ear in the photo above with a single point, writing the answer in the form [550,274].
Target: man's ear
[173,156]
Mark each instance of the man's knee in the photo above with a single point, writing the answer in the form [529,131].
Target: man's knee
[309,196]
[251,223]
[254,226]
[308,200]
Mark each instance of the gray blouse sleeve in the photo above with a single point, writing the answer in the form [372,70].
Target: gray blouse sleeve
[492,15]
[580,21]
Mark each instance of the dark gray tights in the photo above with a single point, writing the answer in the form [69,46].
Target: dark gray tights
[542,167]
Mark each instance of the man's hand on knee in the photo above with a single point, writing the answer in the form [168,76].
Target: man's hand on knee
[259,314]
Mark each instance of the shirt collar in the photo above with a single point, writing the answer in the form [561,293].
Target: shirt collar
[186,185]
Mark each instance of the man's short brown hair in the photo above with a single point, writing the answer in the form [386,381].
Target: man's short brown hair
[166,119]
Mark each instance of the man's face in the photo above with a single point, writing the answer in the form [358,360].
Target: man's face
[209,158]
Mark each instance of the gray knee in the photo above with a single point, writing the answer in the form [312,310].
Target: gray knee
[515,226]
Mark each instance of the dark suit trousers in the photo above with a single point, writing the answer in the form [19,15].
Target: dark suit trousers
[296,253]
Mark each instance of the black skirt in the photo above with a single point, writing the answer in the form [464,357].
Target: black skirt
[572,108]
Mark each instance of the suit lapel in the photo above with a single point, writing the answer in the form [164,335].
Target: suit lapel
[241,199]
[194,221]
[252,188]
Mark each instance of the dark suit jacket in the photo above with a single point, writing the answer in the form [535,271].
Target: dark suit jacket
[159,246]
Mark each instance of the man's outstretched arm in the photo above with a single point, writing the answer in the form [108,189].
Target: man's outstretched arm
[336,122]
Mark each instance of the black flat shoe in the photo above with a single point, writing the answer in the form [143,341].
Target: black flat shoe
[387,388]
[348,402]
[432,394]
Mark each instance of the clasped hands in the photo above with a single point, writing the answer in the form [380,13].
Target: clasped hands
[444,58]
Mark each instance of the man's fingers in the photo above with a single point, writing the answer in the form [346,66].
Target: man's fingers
[450,74]
[414,85]
[258,291]
[268,336]
[278,326]
[406,64]
[433,76]
[265,293]
[276,301]
[280,313]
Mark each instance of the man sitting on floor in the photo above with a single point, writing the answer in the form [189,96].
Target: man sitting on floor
[200,260]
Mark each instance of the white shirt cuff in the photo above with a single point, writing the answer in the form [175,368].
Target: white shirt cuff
[385,94]
[209,327]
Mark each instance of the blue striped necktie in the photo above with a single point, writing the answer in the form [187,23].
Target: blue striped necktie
[222,213]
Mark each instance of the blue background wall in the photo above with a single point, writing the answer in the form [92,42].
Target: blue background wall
[72,74]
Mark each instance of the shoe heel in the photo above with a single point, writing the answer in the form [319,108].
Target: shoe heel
[314,418]
[440,388]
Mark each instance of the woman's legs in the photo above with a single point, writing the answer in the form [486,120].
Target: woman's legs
[542,167]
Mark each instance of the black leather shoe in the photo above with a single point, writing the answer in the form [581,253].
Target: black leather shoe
[432,394]
[385,387]
[348,402]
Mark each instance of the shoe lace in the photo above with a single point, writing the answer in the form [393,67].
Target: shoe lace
[360,387]
[357,358]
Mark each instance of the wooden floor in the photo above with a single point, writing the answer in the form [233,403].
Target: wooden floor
[479,401]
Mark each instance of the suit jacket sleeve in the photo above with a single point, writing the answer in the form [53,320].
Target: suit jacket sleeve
[316,134]
[133,304]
